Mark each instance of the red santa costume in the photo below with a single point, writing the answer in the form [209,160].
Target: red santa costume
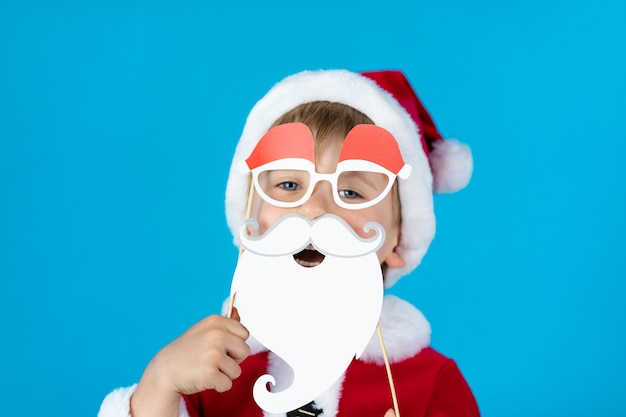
[426,382]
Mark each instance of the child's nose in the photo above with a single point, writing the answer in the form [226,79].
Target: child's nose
[321,201]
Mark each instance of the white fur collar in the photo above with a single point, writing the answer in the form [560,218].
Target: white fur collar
[404,328]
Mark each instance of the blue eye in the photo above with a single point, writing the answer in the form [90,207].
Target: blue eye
[289,186]
[349,194]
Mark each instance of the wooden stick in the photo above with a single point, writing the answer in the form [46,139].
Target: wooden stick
[389,376]
[231,304]
[248,206]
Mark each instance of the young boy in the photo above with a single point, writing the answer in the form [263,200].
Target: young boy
[211,368]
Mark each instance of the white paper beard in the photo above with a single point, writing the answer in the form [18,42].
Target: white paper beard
[316,319]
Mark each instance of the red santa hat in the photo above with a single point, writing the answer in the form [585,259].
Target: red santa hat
[387,98]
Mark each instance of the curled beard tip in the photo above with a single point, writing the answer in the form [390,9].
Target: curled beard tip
[249,223]
[374,226]
[263,380]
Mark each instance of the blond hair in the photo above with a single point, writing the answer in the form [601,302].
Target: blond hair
[327,120]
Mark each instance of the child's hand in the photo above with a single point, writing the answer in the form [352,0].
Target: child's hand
[206,356]
[390,413]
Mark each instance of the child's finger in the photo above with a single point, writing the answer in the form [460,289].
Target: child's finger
[237,349]
[237,329]
[235,314]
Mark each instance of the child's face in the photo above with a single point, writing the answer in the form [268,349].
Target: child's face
[321,202]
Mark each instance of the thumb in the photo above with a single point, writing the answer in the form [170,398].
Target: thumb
[390,413]
[235,314]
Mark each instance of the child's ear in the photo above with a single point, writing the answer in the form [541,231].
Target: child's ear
[394,259]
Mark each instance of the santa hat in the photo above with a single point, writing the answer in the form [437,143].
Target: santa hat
[387,98]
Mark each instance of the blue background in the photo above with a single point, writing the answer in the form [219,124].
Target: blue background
[117,125]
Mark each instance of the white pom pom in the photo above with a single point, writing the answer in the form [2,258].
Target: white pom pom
[452,165]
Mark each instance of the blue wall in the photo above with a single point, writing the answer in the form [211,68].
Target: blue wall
[117,125]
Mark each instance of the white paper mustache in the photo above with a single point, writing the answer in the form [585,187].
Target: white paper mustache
[329,234]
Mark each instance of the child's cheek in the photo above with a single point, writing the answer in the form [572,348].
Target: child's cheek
[267,216]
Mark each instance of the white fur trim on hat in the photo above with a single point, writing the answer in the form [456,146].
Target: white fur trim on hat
[363,94]
[452,165]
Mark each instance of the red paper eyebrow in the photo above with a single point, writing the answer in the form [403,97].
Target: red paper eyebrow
[375,144]
[291,140]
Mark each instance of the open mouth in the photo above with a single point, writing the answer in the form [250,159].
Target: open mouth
[308,258]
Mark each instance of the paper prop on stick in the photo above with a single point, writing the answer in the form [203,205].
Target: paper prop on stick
[283,301]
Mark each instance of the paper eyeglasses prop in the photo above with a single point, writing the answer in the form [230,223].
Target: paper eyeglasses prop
[283,166]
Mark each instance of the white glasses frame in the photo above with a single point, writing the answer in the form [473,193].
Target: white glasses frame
[306,165]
